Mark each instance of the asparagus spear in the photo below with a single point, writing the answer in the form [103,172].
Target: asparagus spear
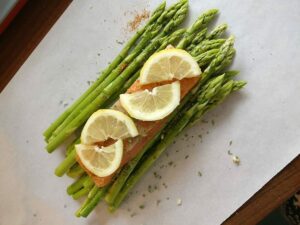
[218,62]
[217,31]
[70,147]
[75,171]
[207,45]
[202,21]
[230,74]
[148,35]
[66,164]
[90,196]
[155,15]
[77,185]
[225,90]
[206,57]
[111,88]
[197,39]
[82,192]
[87,186]
[69,161]
[92,202]
[172,38]
[115,96]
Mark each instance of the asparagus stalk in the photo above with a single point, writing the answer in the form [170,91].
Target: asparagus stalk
[66,164]
[82,192]
[219,61]
[172,38]
[230,74]
[148,35]
[128,83]
[217,31]
[71,146]
[197,39]
[206,57]
[155,15]
[202,21]
[90,196]
[207,45]
[77,185]
[92,202]
[225,90]
[75,171]
[111,87]
[87,186]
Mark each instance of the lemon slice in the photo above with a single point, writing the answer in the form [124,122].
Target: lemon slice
[105,124]
[101,161]
[169,64]
[152,105]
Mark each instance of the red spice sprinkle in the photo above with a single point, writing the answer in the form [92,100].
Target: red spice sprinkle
[138,18]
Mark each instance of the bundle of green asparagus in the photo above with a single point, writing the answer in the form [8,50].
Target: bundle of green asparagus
[213,55]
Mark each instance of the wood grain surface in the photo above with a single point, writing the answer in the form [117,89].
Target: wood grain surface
[25,33]
[33,23]
[272,195]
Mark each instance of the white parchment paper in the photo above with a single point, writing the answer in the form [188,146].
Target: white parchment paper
[262,120]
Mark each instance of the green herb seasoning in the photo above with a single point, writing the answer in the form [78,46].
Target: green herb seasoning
[164,184]
[132,214]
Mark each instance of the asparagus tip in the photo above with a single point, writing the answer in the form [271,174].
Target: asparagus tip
[213,11]
[58,173]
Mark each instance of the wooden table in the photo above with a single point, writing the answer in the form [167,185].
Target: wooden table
[33,23]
